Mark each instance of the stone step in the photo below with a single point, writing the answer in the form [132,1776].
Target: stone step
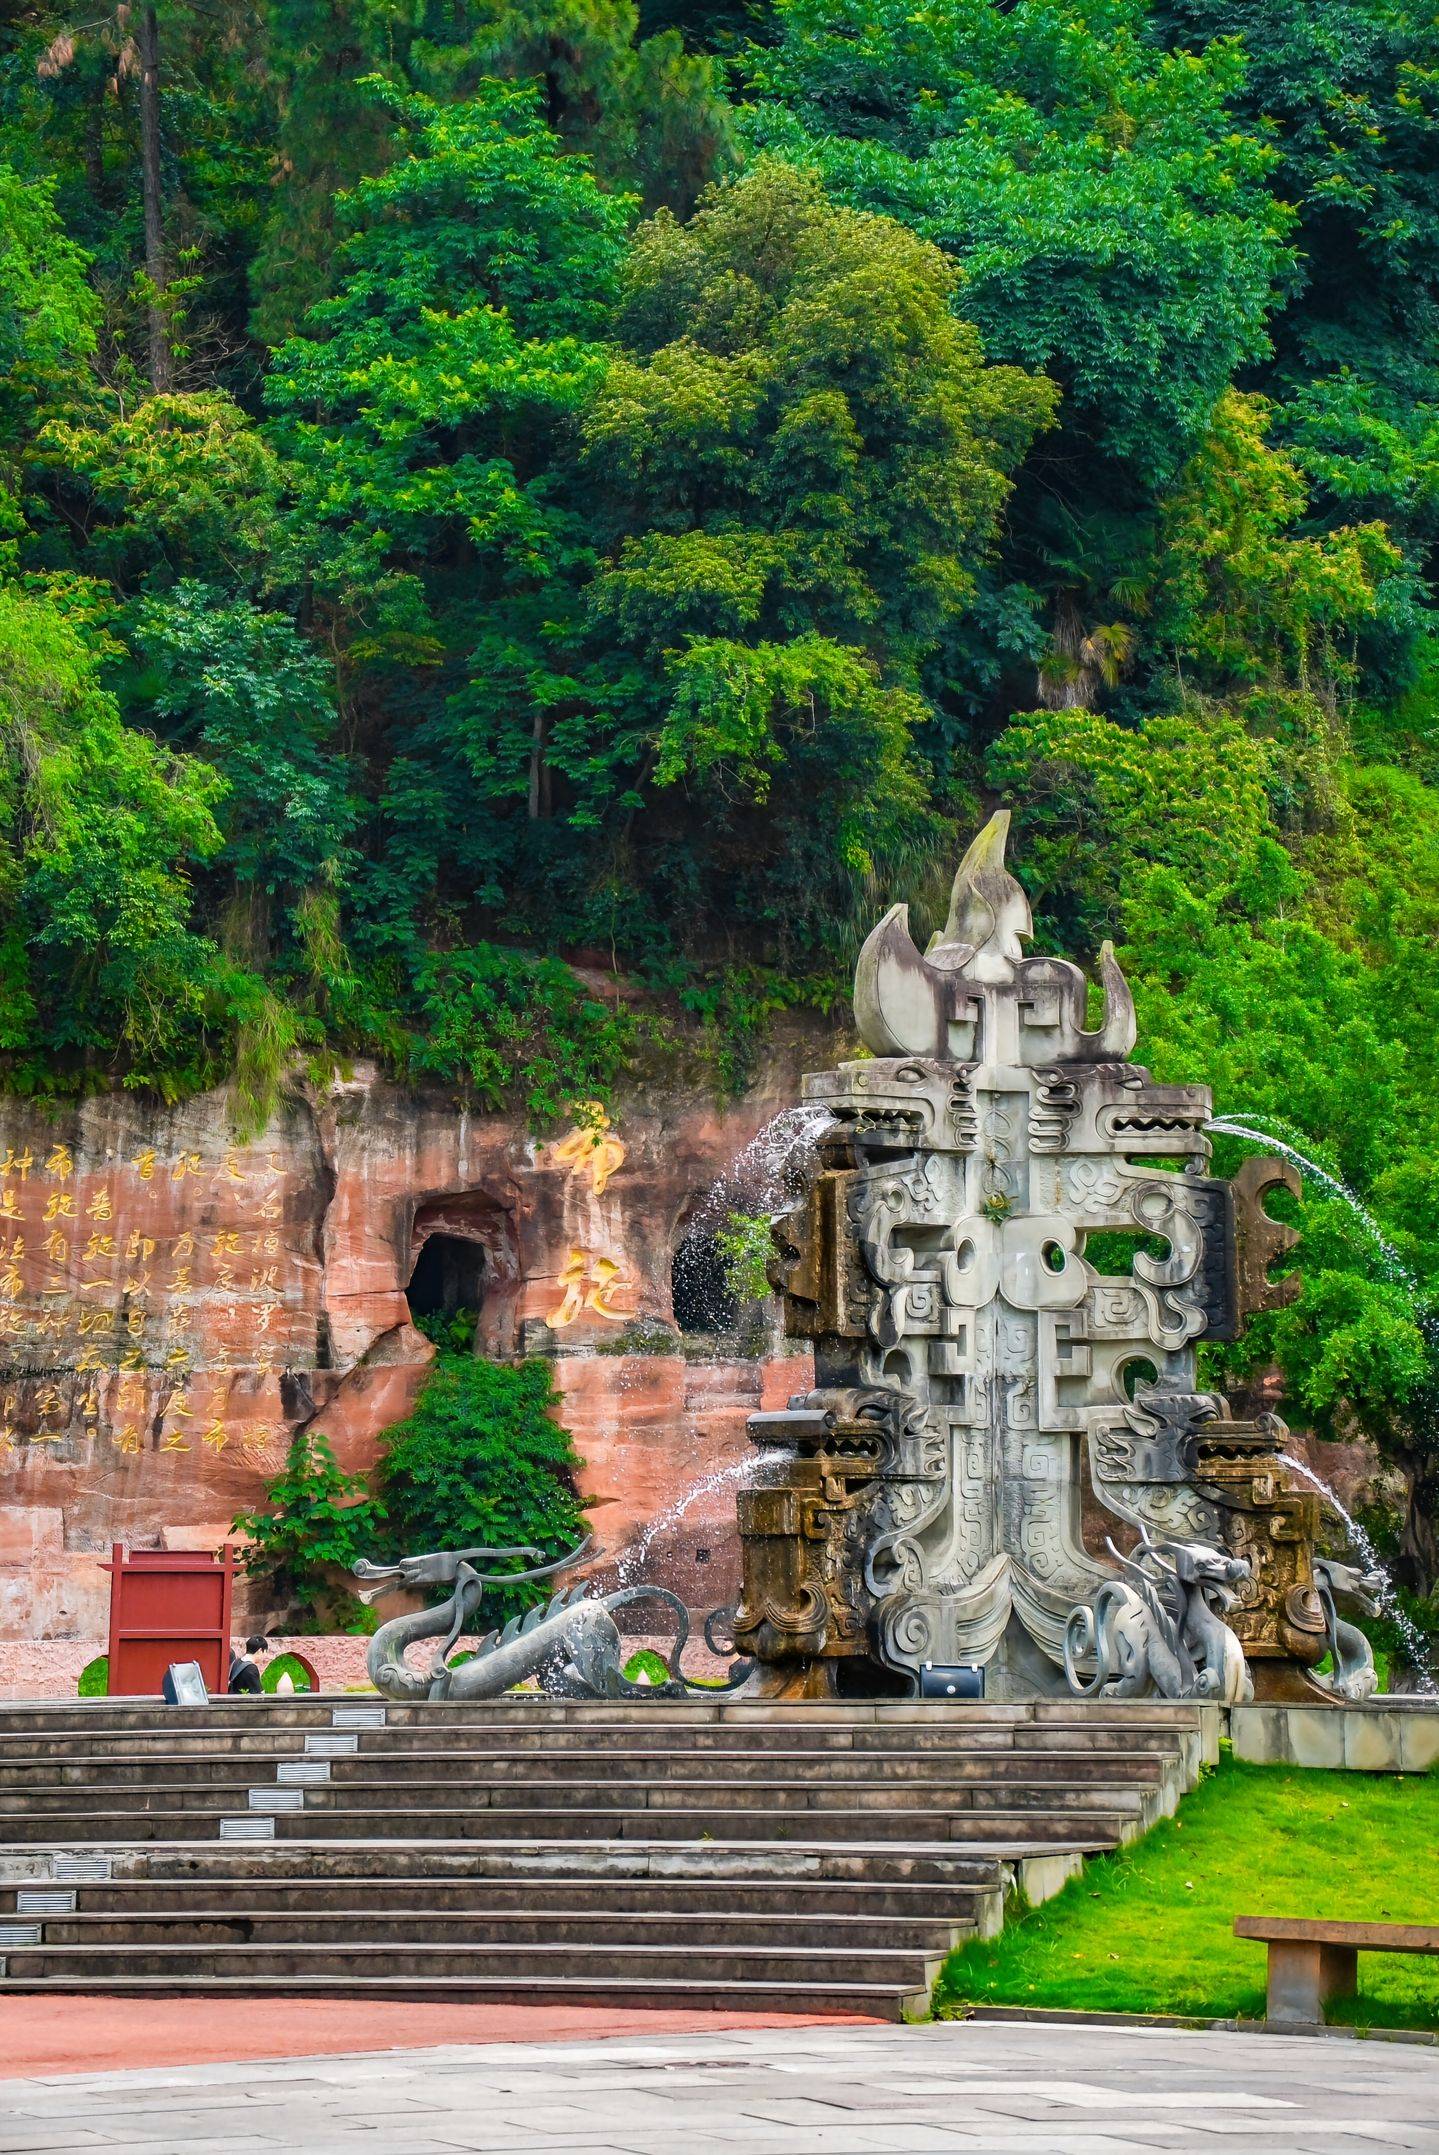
[665,1853]
[1008,1739]
[878,2001]
[649,1964]
[613,1798]
[996,1830]
[122,1899]
[602,1862]
[856,1934]
[527,1711]
[580,1770]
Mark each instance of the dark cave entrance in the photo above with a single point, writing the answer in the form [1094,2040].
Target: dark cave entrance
[704,1302]
[449,1276]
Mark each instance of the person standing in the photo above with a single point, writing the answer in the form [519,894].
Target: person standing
[244,1669]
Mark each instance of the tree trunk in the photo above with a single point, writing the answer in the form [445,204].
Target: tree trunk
[1417,1562]
[539,803]
[161,373]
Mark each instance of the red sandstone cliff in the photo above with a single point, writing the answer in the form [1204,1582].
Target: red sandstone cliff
[174,1303]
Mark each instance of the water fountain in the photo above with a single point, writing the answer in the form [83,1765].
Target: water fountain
[1002,1244]
[989,1369]
[1384,1592]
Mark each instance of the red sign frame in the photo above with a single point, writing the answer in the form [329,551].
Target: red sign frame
[169,1605]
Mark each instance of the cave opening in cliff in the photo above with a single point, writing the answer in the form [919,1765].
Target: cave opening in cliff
[704,1301]
[449,1277]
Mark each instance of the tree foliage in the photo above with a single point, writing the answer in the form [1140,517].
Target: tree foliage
[315,1522]
[628,486]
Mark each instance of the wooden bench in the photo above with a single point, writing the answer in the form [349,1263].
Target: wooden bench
[1312,1961]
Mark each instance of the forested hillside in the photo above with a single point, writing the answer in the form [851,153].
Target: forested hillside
[487,488]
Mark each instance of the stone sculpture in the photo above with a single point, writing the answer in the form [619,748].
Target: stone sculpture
[1160,1628]
[571,1643]
[1007,1256]
[1353,1675]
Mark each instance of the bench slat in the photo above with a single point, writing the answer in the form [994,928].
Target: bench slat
[1362,1937]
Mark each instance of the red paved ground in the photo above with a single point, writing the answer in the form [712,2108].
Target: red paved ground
[105,2035]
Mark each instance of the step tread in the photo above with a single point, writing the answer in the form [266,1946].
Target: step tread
[98,1917]
[673,1989]
[587,1776]
[969,1851]
[587,1748]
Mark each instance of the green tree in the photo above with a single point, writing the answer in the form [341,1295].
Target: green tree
[316,1521]
[176,486]
[1243,592]
[1114,227]
[100,829]
[650,113]
[48,320]
[422,411]
[48,315]
[802,460]
[1302,990]
[250,695]
[156,120]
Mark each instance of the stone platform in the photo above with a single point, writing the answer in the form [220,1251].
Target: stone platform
[1398,1734]
[972,2088]
[725,1855]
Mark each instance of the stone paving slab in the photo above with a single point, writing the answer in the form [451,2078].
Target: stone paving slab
[1004,2088]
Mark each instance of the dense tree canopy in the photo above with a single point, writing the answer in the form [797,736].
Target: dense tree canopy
[493,489]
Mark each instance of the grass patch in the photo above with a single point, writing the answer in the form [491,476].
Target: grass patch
[284,1665]
[1150,1928]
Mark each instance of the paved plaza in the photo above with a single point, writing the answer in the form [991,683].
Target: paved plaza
[1056,2090]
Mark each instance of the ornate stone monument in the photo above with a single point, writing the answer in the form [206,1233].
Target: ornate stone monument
[1005,1262]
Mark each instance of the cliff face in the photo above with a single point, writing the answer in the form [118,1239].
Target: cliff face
[174,1304]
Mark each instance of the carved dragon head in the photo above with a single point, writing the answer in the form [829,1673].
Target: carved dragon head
[1347,1583]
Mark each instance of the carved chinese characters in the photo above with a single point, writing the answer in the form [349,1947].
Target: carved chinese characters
[105,1255]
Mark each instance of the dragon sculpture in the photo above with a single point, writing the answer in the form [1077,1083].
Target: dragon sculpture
[1160,1627]
[571,1643]
[1352,1674]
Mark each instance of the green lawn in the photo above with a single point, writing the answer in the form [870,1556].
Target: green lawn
[1150,1929]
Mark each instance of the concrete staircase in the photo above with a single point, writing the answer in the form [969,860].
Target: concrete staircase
[816,1857]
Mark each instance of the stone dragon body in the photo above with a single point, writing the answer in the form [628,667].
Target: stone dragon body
[570,1643]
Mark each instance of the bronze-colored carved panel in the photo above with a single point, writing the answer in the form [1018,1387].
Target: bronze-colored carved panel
[1260,1239]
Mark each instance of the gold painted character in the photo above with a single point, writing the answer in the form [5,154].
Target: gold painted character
[588,1283]
[592,1146]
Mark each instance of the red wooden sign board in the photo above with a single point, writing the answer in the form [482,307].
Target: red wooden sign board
[168,1605]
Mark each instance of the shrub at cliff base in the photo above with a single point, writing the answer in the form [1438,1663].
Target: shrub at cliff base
[316,1521]
[481,1462]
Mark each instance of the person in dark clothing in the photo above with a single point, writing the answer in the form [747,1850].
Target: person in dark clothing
[245,1672]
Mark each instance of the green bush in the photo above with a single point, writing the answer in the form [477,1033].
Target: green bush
[316,1522]
[481,1463]
[94,1680]
[746,1244]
